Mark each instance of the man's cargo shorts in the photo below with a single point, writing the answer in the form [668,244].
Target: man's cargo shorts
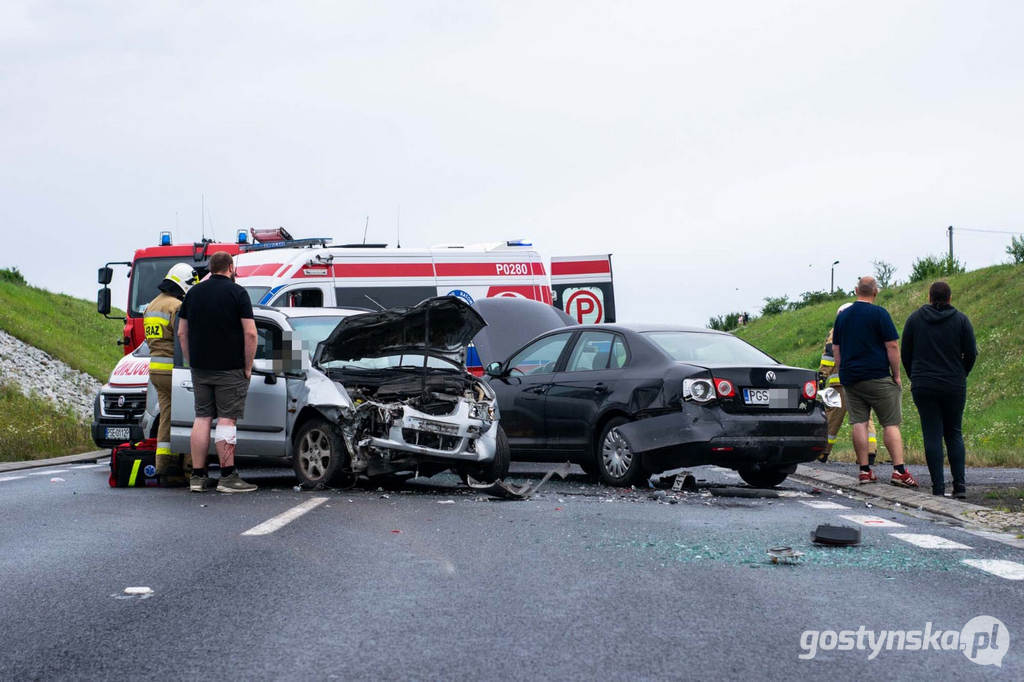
[220,393]
[884,396]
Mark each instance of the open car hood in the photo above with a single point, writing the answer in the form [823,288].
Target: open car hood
[440,327]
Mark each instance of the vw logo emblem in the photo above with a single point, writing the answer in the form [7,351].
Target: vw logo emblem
[120,401]
[769,377]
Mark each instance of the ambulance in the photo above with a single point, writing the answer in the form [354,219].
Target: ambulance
[279,271]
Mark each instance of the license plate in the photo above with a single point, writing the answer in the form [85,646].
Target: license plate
[121,433]
[756,396]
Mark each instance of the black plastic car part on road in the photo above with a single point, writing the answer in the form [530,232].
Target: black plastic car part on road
[625,401]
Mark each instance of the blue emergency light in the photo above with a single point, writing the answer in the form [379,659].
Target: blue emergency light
[243,237]
[518,242]
[165,238]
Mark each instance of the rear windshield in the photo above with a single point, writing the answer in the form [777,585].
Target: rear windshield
[703,347]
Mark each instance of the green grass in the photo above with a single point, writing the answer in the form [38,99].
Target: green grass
[993,298]
[67,328]
[32,428]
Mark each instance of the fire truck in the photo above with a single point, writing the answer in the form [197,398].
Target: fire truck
[280,271]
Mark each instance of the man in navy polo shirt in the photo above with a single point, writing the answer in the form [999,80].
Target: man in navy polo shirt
[866,349]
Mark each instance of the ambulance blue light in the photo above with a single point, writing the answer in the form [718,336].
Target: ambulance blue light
[243,237]
[165,238]
[518,242]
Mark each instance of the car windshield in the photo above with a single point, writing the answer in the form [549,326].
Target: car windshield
[706,347]
[147,273]
[256,294]
[312,330]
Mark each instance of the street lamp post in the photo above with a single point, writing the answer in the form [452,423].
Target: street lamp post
[832,281]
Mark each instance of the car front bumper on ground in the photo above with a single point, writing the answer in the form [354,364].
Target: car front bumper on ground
[699,435]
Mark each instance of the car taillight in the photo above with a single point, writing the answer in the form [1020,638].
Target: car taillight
[724,388]
[810,389]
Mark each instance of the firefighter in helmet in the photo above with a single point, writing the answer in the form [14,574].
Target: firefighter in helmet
[158,322]
[835,400]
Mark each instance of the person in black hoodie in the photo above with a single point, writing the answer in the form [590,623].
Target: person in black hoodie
[938,353]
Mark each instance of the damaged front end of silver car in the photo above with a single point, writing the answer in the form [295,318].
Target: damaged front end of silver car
[405,402]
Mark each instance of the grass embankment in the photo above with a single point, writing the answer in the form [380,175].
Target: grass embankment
[993,298]
[33,428]
[69,329]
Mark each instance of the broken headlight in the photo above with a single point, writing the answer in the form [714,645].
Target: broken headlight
[698,390]
[483,411]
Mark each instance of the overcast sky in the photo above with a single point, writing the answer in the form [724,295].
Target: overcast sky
[722,151]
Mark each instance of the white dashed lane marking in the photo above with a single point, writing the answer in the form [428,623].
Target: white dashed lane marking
[928,541]
[10,478]
[47,472]
[1010,570]
[823,504]
[871,521]
[283,519]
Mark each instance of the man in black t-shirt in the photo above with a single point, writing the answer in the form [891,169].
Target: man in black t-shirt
[867,355]
[218,339]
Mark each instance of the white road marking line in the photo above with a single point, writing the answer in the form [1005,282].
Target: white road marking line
[1010,570]
[823,504]
[283,519]
[10,478]
[793,493]
[929,541]
[47,472]
[871,521]
[723,470]
[89,466]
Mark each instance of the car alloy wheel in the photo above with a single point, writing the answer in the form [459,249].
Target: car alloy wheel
[616,454]
[314,454]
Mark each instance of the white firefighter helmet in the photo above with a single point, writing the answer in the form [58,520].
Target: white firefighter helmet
[844,307]
[183,275]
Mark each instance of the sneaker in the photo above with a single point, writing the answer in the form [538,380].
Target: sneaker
[904,480]
[867,477]
[200,484]
[234,484]
[959,493]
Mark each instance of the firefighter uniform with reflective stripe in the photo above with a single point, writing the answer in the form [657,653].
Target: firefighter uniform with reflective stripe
[158,323]
[836,415]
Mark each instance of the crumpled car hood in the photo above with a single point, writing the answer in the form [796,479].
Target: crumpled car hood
[452,324]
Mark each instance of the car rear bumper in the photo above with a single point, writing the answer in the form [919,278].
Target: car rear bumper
[708,435]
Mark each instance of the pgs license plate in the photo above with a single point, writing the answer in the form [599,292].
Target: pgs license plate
[121,433]
[756,396]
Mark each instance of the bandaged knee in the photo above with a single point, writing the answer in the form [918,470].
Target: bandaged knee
[225,433]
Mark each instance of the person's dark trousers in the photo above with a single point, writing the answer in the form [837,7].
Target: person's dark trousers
[942,413]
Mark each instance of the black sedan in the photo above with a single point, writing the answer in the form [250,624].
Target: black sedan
[627,401]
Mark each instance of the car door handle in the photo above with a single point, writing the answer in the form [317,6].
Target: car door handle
[600,388]
[538,390]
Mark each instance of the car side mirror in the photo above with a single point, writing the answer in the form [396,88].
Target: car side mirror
[103,300]
[104,275]
[494,369]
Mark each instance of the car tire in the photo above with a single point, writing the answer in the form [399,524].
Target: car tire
[761,478]
[617,464]
[497,468]
[319,455]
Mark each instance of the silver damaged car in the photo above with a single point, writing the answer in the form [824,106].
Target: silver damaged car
[341,394]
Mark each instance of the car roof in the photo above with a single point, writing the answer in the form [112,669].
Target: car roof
[640,328]
[310,312]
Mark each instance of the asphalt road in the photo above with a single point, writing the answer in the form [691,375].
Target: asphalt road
[434,582]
